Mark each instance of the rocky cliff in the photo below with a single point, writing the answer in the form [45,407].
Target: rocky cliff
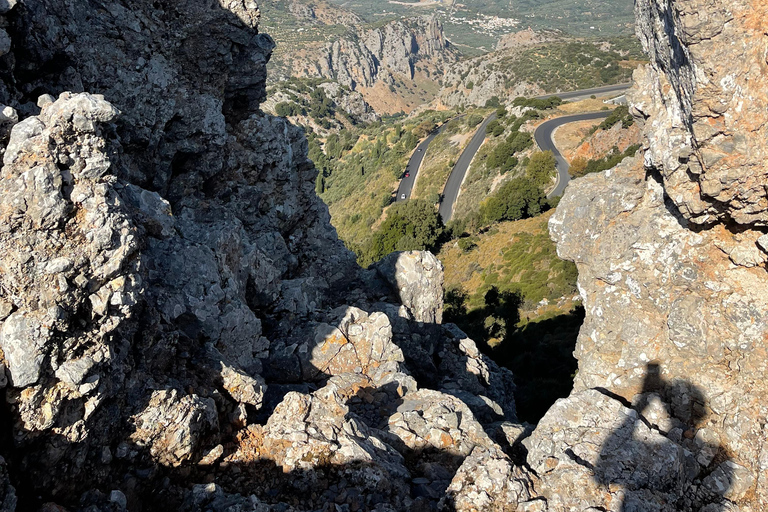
[381,53]
[667,410]
[180,327]
[182,330]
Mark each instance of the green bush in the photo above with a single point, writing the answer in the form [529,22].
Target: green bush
[516,199]
[466,244]
[582,167]
[492,127]
[619,115]
[541,167]
[410,226]
[539,104]
[287,108]
[474,120]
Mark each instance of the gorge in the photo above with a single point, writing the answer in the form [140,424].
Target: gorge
[182,329]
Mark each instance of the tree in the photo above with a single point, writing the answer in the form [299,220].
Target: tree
[541,167]
[410,226]
[516,199]
[492,127]
[519,141]
[474,120]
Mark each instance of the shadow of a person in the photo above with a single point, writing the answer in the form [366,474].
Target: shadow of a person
[658,459]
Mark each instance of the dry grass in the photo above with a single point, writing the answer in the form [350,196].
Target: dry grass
[459,265]
[588,105]
[570,136]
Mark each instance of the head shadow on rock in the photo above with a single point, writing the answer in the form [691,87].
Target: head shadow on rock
[661,456]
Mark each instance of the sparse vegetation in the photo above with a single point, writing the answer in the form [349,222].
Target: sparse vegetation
[513,296]
[619,115]
[581,166]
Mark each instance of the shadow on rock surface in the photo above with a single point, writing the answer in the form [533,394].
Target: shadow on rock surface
[681,468]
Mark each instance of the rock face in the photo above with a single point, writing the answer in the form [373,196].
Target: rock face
[175,307]
[380,53]
[665,412]
[705,105]
[176,310]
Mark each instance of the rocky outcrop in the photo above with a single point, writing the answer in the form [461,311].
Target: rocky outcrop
[417,277]
[175,307]
[665,413]
[673,334]
[705,106]
[384,52]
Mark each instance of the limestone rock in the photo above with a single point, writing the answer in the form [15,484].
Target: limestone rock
[175,426]
[417,278]
[488,482]
[381,52]
[430,419]
[705,106]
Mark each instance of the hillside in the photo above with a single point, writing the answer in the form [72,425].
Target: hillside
[478,24]
[396,64]
[511,293]
[533,64]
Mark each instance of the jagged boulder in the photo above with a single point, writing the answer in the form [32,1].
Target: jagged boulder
[417,279]
[487,481]
[705,106]
[174,427]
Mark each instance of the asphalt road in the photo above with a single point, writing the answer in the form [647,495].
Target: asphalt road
[414,163]
[543,136]
[586,93]
[452,186]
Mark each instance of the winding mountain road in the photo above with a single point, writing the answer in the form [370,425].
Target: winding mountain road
[543,136]
[414,163]
[453,185]
[586,93]
[455,180]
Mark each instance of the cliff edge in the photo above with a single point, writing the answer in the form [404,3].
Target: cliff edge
[666,412]
[181,328]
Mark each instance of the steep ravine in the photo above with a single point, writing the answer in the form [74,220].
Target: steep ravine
[181,329]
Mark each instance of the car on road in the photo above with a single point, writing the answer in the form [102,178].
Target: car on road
[407,174]
[419,149]
[402,196]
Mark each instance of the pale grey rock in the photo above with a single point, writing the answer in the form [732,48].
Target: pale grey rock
[431,419]
[665,305]
[242,387]
[703,101]
[487,481]
[589,447]
[20,134]
[117,497]
[24,340]
[383,52]
[417,278]
[174,426]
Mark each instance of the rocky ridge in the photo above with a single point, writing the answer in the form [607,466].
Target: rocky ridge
[366,56]
[181,328]
[175,307]
[665,412]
